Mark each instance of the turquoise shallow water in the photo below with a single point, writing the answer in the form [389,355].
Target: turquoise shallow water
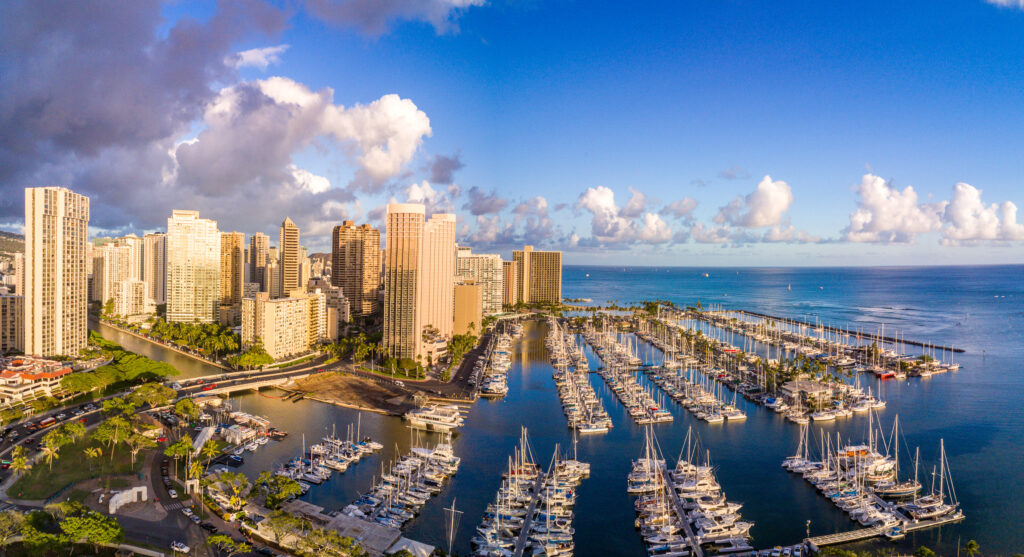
[977,410]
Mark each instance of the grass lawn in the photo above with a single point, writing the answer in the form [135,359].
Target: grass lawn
[71,467]
[295,362]
[399,374]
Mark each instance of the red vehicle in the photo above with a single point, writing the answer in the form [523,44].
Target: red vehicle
[161,439]
[209,387]
[47,422]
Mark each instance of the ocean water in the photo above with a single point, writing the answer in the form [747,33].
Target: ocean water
[977,411]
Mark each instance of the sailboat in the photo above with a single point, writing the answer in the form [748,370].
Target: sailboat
[894,488]
[934,504]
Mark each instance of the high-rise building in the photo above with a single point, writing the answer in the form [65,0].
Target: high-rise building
[280,324]
[129,297]
[193,267]
[19,274]
[56,278]
[437,293]
[154,267]
[404,241]
[419,280]
[355,265]
[510,283]
[272,275]
[112,263]
[539,275]
[259,253]
[12,323]
[338,312]
[485,269]
[136,255]
[468,314]
[290,257]
[232,279]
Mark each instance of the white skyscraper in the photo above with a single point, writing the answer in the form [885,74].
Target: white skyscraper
[155,267]
[56,279]
[193,267]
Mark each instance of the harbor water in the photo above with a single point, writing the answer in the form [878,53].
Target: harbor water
[977,410]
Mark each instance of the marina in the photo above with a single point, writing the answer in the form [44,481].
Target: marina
[491,427]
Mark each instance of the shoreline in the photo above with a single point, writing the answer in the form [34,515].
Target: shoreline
[167,346]
[343,404]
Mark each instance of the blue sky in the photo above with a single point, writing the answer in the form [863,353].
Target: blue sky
[548,105]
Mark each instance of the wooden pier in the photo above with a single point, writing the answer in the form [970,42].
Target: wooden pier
[690,536]
[524,534]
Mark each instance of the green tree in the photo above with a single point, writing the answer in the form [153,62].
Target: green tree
[138,442]
[82,525]
[20,462]
[277,489]
[153,394]
[923,552]
[282,523]
[225,544]
[178,450]
[11,523]
[187,408]
[112,432]
[972,548]
[236,486]
[91,454]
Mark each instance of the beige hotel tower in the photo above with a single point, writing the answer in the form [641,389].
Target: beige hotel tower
[419,278]
[56,280]
[193,268]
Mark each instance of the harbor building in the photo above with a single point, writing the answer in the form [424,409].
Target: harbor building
[355,265]
[154,267]
[539,275]
[290,258]
[193,268]
[23,379]
[56,277]
[486,270]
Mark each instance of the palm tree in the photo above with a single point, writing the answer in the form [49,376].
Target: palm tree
[50,451]
[19,462]
[972,548]
[209,451]
[92,453]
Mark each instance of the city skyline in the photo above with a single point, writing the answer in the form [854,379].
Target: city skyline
[739,135]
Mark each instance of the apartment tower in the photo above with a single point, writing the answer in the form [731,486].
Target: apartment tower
[259,252]
[485,269]
[290,256]
[154,268]
[193,267]
[232,268]
[56,278]
[355,265]
[539,275]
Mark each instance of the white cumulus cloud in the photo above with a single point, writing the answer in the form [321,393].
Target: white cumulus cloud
[968,220]
[887,215]
[762,207]
[654,230]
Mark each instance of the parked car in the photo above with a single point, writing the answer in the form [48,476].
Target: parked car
[208,527]
[179,547]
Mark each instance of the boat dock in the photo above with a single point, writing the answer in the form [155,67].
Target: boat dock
[681,512]
[524,535]
[867,533]
[882,338]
